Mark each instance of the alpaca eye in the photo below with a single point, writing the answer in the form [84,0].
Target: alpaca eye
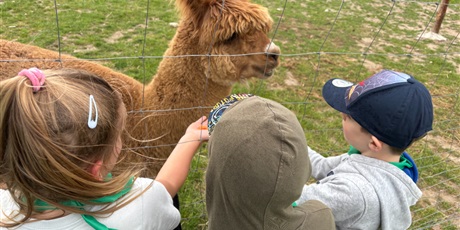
[232,38]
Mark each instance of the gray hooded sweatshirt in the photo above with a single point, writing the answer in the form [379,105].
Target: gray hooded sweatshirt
[363,192]
[258,164]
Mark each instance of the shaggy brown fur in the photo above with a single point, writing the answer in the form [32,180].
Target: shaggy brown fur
[182,86]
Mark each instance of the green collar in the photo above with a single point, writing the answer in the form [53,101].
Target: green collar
[42,205]
[403,162]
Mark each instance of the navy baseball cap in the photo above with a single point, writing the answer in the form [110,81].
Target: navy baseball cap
[392,106]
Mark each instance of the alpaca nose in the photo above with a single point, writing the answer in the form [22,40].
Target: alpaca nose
[273,51]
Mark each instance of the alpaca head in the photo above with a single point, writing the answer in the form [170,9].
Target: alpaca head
[235,35]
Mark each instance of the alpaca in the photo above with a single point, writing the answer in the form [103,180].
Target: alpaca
[185,87]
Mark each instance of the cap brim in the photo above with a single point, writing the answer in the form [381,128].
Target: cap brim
[334,93]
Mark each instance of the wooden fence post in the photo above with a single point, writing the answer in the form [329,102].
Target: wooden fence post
[440,16]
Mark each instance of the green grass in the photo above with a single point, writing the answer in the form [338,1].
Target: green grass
[333,46]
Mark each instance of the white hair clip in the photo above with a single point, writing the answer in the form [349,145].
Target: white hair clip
[92,123]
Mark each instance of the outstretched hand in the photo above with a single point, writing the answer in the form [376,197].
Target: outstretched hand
[175,170]
[199,129]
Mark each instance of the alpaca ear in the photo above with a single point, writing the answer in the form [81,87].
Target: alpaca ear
[375,145]
[95,170]
[195,9]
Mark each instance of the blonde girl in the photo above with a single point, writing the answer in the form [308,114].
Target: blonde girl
[60,137]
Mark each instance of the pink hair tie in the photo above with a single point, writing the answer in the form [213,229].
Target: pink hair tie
[35,76]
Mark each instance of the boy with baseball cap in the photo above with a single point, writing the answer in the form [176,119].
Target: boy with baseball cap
[374,184]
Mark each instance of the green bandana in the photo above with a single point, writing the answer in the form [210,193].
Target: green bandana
[42,205]
[403,162]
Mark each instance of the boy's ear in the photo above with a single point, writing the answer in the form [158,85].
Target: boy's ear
[95,170]
[375,145]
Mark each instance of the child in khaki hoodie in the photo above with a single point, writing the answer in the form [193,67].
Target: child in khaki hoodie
[258,164]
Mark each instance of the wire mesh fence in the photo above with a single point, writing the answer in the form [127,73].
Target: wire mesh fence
[319,40]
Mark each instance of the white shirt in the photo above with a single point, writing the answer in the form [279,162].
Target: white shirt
[154,209]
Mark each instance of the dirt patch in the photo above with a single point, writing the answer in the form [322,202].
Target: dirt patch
[114,38]
[452,152]
[119,34]
[84,49]
[434,197]
[372,67]
[290,80]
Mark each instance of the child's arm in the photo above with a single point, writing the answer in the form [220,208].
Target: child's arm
[175,170]
[321,165]
[347,200]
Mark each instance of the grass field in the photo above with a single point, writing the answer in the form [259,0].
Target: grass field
[319,40]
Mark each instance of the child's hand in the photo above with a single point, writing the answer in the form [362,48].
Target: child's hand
[199,129]
[175,170]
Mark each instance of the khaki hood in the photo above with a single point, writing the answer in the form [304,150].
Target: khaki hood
[258,164]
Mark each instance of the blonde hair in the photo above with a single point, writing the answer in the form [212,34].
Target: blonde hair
[46,146]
